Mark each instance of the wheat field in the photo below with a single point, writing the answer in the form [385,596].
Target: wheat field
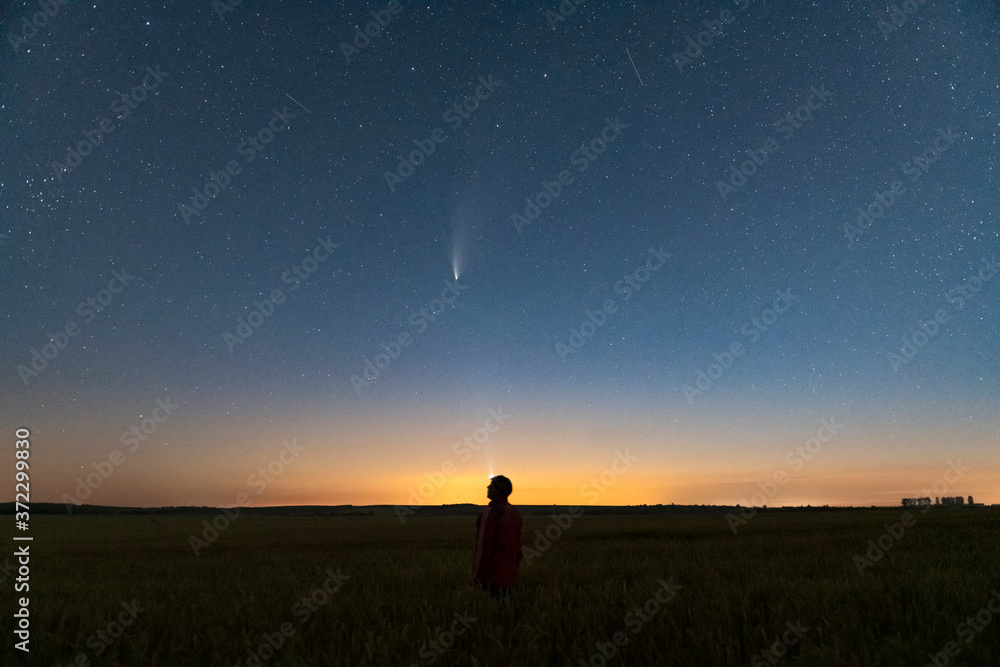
[607,590]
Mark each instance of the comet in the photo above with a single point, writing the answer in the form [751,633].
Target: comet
[456,259]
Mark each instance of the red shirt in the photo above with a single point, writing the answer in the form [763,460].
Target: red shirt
[498,545]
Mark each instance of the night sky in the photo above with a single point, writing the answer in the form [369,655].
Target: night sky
[697,245]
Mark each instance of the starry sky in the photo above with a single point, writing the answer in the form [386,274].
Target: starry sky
[698,247]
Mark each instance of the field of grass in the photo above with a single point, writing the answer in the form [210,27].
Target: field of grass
[785,590]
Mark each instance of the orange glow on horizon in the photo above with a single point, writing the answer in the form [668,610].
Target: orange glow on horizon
[416,460]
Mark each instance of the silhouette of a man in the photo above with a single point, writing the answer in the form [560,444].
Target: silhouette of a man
[498,541]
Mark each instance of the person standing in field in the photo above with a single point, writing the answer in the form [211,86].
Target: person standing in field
[498,554]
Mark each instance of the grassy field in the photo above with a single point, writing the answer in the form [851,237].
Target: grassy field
[786,589]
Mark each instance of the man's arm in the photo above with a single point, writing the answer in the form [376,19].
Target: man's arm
[520,541]
[485,534]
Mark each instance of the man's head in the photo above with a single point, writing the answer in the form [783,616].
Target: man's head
[499,488]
